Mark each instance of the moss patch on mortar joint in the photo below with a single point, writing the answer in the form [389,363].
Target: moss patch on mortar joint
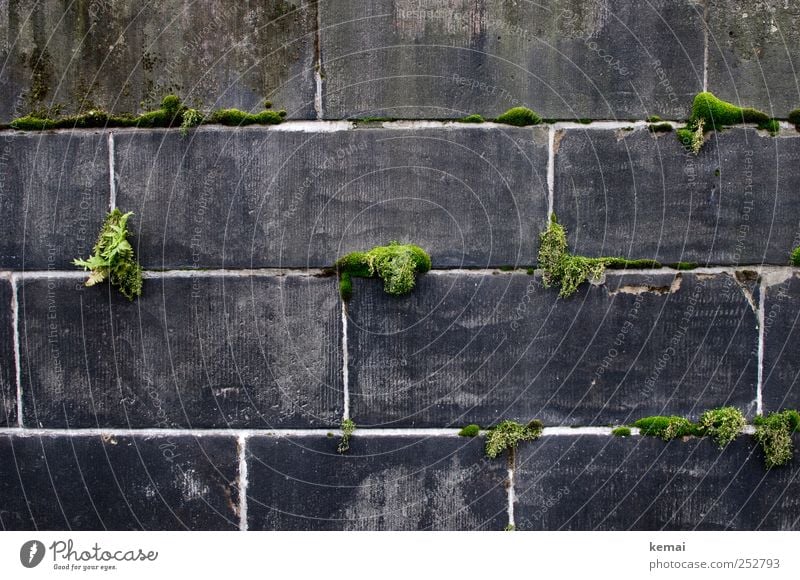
[471,430]
[396,264]
[774,435]
[568,271]
[685,265]
[621,432]
[519,117]
[666,427]
[348,427]
[506,435]
[795,257]
[660,128]
[472,119]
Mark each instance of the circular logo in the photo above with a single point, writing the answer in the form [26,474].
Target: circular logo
[31,553]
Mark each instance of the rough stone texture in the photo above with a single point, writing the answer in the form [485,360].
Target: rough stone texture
[54,193]
[477,349]
[8,371]
[781,334]
[611,483]
[753,53]
[191,352]
[576,59]
[381,483]
[118,483]
[126,56]
[263,198]
[627,193]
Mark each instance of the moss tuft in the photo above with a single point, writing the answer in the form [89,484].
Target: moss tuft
[621,432]
[774,435]
[470,431]
[666,428]
[653,119]
[626,264]
[723,424]
[395,264]
[796,256]
[508,434]
[519,117]
[584,121]
[348,426]
[472,119]
[660,128]
[685,265]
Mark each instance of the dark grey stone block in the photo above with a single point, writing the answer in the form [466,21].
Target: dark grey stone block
[118,483]
[54,194]
[125,56]
[781,389]
[643,483]
[628,193]
[8,370]
[265,198]
[195,352]
[382,483]
[478,349]
[567,60]
[753,53]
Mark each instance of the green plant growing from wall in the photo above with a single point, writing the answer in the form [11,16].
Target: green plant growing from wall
[470,430]
[795,258]
[472,119]
[568,271]
[113,257]
[712,114]
[506,435]
[191,118]
[723,424]
[396,264]
[666,427]
[348,427]
[519,117]
[774,435]
[621,432]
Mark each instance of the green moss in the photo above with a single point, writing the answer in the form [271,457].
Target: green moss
[771,125]
[113,257]
[723,424]
[653,119]
[774,435]
[237,118]
[191,118]
[796,256]
[621,432]
[530,271]
[509,528]
[506,268]
[660,128]
[396,264]
[519,117]
[685,265]
[508,434]
[470,431]
[569,271]
[584,121]
[666,428]
[348,427]
[472,119]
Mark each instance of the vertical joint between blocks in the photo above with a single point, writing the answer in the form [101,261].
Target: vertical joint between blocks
[762,299]
[242,483]
[551,169]
[112,185]
[17,348]
[345,365]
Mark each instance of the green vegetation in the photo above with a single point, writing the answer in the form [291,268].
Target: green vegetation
[794,118]
[568,271]
[723,424]
[348,426]
[796,256]
[621,432]
[519,117]
[396,264]
[508,434]
[173,113]
[712,114]
[653,119]
[507,268]
[660,128]
[472,119]
[584,121]
[470,431]
[113,257]
[509,528]
[774,435]
[685,265]
[666,428]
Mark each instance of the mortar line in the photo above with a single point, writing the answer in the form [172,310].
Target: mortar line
[551,169]
[345,366]
[705,45]
[243,482]
[511,495]
[112,186]
[762,299]
[17,348]
[318,65]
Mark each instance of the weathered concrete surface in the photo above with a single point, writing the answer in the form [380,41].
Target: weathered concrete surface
[126,56]
[477,349]
[781,389]
[611,483]
[382,483]
[8,371]
[627,193]
[54,193]
[754,53]
[191,352]
[577,59]
[255,198]
[118,483]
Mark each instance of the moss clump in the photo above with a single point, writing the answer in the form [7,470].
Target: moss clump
[472,119]
[774,435]
[348,426]
[723,424]
[507,268]
[519,117]
[794,118]
[508,434]
[795,259]
[584,121]
[653,119]
[660,128]
[237,118]
[395,264]
[470,431]
[569,271]
[113,257]
[666,428]
[621,432]
[685,265]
